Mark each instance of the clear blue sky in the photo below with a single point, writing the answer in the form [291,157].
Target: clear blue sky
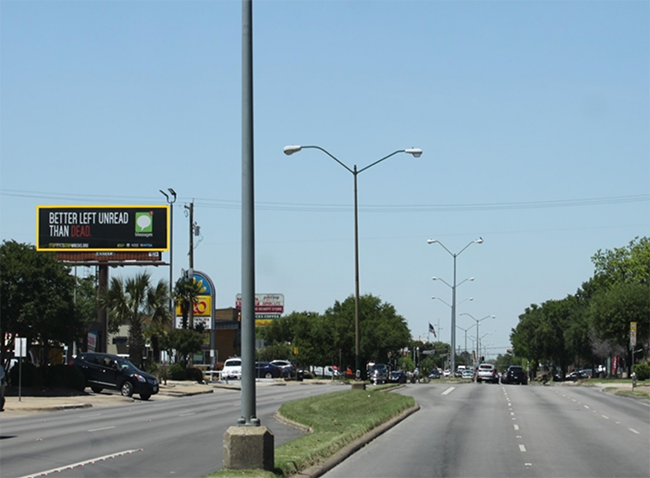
[533,117]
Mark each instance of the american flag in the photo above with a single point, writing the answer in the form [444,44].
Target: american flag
[432,330]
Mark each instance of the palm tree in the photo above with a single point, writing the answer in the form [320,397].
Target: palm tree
[132,302]
[159,318]
[186,293]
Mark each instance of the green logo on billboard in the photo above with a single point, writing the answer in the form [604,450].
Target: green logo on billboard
[143,222]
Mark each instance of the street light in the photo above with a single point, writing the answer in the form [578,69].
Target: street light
[478,349]
[416,152]
[171,202]
[453,296]
[465,330]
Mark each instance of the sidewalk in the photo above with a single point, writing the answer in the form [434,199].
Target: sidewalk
[108,398]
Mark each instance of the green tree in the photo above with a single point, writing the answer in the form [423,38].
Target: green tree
[613,309]
[184,342]
[37,294]
[132,302]
[186,293]
[382,330]
[629,264]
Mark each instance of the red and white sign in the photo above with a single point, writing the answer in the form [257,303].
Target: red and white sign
[265,303]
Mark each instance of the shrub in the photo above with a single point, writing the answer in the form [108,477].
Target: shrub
[176,372]
[31,376]
[64,376]
[194,374]
[642,371]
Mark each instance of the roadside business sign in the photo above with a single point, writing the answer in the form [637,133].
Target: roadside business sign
[266,305]
[102,228]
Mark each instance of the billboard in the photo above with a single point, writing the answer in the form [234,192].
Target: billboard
[268,305]
[102,228]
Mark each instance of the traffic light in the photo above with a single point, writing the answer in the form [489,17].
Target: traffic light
[482,359]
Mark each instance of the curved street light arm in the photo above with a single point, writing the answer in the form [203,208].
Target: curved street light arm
[330,155]
[382,159]
[443,281]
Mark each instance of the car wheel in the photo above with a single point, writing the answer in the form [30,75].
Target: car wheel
[96,389]
[127,389]
[145,396]
[268,375]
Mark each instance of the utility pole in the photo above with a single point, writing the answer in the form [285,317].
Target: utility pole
[190,208]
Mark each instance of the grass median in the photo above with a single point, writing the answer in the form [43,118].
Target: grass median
[336,420]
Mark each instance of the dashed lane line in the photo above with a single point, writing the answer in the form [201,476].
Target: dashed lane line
[82,463]
[448,391]
[522,448]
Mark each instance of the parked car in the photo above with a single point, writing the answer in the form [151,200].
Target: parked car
[328,371]
[287,367]
[577,375]
[116,373]
[231,369]
[397,376]
[487,373]
[378,373]
[435,373]
[515,374]
[267,370]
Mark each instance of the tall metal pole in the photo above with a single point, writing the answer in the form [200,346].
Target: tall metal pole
[453,321]
[248,417]
[172,309]
[171,252]
[357,340]
[288,150]
[191,253]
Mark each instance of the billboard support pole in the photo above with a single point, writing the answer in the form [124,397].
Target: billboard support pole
[102,313]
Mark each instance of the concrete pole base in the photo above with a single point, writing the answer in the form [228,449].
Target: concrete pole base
[248,447]
[358,385]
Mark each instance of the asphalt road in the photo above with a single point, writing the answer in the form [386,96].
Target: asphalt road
[493,430]
[180,437]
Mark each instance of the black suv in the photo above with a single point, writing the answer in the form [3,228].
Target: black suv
[114,372]
[515,374]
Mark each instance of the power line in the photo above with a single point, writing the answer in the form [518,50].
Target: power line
[211,203]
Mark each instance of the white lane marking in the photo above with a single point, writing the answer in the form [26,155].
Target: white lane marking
[573,399]
[512,413]
[586,406]
[100,429]
[82,463]
[448,391]
[516,427]
[634,431]
[186,414]
[605,417]
[518,436]
[522,448]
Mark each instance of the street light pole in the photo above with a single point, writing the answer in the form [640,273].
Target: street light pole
[478,321]
[171,202]
[416,152]
[465,330]
[453,297]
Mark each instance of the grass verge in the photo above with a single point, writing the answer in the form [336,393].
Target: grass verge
[336,419]
[634,393]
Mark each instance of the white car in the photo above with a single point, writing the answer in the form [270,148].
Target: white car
[231,369]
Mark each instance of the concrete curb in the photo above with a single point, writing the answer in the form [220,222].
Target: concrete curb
[316,471]
[55,408]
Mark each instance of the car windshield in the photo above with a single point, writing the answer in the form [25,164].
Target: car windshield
[124,364]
